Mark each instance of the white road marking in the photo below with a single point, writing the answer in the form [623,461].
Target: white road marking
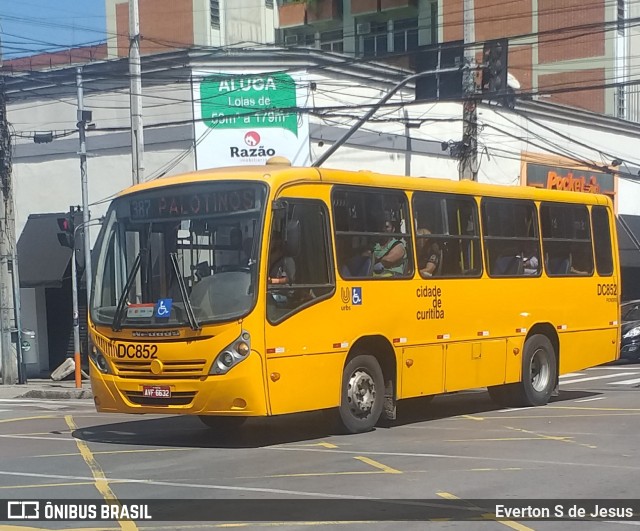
[570,374]
[600,368]
[626,382]
[37,437]
[591,399]
[577,380]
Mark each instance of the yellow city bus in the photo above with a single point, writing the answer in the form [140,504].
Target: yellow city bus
[257,291]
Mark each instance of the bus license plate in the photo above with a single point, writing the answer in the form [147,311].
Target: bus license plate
[156,391]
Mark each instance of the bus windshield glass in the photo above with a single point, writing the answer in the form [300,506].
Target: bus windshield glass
[179,256]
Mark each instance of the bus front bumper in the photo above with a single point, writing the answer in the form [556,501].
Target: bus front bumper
[240,392]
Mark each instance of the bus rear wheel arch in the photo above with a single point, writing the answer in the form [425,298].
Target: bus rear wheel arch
[539,376]
[362,394]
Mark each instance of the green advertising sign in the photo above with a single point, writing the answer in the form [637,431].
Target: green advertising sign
[249,101]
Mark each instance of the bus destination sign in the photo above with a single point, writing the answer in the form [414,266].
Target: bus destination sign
[192,204]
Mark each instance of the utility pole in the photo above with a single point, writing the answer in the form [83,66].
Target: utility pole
[83,118]
[468,167]
[135,74]
[76,321]
[7,248]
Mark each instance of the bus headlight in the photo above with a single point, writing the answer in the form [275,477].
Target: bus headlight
[99,360]
[232,354]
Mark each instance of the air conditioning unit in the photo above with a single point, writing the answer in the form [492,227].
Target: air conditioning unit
[291,39]
[363,28]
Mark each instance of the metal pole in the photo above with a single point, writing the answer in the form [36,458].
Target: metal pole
[7,247]
[85,191]
[135,74]
[373,110]
[76,319]
[15,276]
[468,168]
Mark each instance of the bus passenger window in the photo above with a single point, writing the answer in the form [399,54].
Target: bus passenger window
[447,236]
[372,231]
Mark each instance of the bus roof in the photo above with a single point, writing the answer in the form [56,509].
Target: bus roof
[281,175]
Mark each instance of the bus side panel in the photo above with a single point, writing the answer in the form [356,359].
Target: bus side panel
[306,382]
[422,371]
[513,366]
[474,364]
[588,348]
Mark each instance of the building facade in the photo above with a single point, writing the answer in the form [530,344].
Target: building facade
[578,53]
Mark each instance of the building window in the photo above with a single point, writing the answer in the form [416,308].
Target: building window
[300,39]
[332,41]
[215,13]
[621,16]
[268,4]
[621,102]
[380,38]
[375,41]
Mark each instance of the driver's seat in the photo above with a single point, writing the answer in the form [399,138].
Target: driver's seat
[221,294]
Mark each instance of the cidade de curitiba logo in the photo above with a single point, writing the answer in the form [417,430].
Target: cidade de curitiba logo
[253,150]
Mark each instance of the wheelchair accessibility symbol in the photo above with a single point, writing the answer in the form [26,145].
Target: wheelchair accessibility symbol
[356,296]
[163,309]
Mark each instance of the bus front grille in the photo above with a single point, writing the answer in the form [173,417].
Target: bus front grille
[177,399]
[183,369]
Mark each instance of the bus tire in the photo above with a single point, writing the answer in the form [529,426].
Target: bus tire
[362,394]
[539,375]
[222,423]
[539,371]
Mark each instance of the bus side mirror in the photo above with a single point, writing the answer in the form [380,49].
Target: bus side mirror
[292,238]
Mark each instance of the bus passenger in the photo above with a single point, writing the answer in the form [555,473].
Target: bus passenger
[530,262]
[391,255]
[282,269]
[429,254]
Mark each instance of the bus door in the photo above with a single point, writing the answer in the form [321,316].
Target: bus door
[302,368]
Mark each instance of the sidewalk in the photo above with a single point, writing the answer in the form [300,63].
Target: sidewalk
[47,389]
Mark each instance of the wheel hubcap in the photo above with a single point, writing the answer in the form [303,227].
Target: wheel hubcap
[540,372]
[361,393]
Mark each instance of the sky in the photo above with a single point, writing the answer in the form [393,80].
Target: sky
[28,27]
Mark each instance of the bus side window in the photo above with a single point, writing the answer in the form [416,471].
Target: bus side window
[566,239]
[446,235]
[301,273]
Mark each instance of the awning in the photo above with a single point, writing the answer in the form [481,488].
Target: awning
[629,240]
[42,261]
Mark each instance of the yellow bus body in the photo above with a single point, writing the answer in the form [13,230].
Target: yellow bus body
[444,334]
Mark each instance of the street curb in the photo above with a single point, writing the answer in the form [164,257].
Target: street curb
[55,394]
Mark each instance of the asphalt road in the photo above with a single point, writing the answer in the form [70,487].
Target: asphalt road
[460,447]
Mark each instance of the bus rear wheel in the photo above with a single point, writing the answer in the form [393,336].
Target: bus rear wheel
[222,423]
[362,394]
[539,374]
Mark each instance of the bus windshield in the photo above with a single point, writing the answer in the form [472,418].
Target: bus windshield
[179,256]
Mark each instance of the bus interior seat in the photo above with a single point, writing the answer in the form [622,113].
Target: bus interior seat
[221,293]
[559,265]
[507,265]
[235,238]
[357,266]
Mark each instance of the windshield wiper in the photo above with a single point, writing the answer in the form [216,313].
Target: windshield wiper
[122,301]
[193,322]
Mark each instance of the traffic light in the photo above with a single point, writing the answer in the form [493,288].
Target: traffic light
[67,227]
[494,71]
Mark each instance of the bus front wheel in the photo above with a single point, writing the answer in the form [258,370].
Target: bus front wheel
[539,374]
[362,394]
[222,423]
